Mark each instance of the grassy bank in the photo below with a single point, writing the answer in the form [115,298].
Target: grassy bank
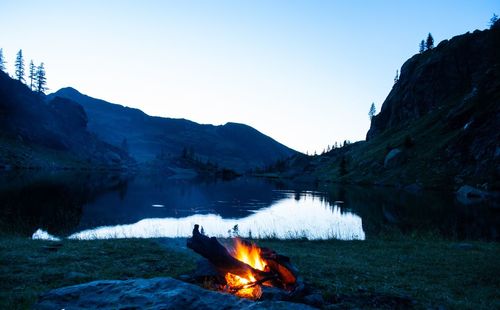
[29,267]
[374,273]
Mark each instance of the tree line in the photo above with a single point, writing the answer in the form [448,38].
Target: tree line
[37,80]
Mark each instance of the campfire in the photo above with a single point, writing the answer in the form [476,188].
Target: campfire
[246,270]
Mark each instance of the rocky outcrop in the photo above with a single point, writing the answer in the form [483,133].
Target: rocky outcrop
[156,293]
[393,158]
[453,71]
[35,133]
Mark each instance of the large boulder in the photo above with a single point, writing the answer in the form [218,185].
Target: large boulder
[156,293]
[394,158]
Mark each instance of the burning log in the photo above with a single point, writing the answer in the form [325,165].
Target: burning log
[218,255]
[247,266]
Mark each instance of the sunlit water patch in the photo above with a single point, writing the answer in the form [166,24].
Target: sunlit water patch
[288,218]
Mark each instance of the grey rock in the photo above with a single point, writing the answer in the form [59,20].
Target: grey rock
[464,246]
[414,188]
[468,195]
[315,300]
[156,293]
[393,158]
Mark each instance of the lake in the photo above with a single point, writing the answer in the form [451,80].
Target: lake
[90,206]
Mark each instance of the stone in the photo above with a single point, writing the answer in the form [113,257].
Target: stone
[315,300]
[413,188]
[393,158]
[156,293]
[468,195]
[464,246]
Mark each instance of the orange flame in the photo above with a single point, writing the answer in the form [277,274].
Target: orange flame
[249,254]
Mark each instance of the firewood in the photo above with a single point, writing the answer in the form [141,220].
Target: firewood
[218,255]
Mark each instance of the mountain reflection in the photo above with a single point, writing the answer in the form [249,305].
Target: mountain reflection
[289,218]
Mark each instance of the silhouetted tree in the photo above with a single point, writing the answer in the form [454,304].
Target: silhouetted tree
[494,21]
[32,74]
[19,65]
[396,78]
[2,61]
[372,111]
[41,80]
[422,47]
[429,43]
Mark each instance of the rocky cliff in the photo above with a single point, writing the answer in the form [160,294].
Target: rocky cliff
[439,126]
[456,71]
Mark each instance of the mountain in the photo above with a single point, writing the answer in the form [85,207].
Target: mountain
[147,138]
[36,133]
[439,127]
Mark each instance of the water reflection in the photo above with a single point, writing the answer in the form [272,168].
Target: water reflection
[64,204]
[295,216]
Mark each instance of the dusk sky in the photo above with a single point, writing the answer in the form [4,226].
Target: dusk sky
[302,72]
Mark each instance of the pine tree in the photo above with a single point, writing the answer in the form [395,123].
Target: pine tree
[32,74]
[493,21]
[19,65]
[2,61]
[429,43]
[421,47]
[372,111]
[396,78]
[41,80]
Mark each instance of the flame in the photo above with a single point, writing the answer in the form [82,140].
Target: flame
[249,254]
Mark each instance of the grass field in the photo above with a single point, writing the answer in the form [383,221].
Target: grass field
[386,273]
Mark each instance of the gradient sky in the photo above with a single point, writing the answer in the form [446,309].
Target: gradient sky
[302,72]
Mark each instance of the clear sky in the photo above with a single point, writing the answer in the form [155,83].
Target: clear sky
[302,72]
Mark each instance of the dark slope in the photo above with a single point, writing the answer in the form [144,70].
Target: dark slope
[439,127]
[44,134]
[234,146]
[454,71]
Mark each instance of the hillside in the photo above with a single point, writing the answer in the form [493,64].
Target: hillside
[235,146]
[438,128]
[35,133]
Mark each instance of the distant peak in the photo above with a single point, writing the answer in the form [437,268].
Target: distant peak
[68,91]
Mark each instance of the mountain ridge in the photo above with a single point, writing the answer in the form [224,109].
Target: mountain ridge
[236,146]
[40,133]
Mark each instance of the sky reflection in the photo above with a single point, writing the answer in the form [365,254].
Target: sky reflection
[308,217]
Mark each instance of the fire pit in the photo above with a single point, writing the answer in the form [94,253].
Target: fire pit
[247,270]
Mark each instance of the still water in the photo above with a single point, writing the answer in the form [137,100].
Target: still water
[65,205]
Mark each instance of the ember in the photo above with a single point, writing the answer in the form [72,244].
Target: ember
[246,286]
[246,267]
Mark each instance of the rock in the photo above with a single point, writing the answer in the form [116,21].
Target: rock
[272,293]
[468,195]
[464,246]
[393,158]
[414,188]
[156,293]
[315,300]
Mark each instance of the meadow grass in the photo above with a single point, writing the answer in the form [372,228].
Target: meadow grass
[350,274]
